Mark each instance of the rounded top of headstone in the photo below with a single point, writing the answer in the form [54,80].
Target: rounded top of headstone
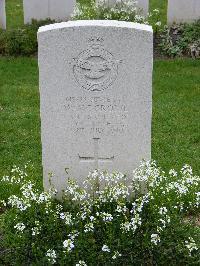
[96,23]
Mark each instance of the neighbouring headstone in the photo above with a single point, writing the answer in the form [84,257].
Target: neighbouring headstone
[42,9]
[2,14]
[143,5]
[183,11]
[95,97]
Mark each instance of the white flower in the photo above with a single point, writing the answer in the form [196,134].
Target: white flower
[73,235]
[3,203]
[75,192]
[20,227]
[172,172]
[51,256]
[81,263]
[107,217]
[62,216]
[43,197]
[156,11]
[67,217]
[68,245]
[92,218]
[89,227]
[116,255]
[191,245]
[163,210]
[197,199]
[126,226]
[105,248]
[36,229]
[121,209]
[27,191]
[14,201]
[59,208]
[155,239]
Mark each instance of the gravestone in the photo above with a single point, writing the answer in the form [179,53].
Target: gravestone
[183,11]
[2,14]
[141,4]
[95,97]
[42,9]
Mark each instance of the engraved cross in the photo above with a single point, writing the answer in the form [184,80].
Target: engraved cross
[96,158]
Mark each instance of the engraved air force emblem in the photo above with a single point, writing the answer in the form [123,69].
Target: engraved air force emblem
[95,69]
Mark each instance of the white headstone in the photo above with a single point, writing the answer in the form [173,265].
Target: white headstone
[142,4]
[2,14]
[95,96]
[183,11]
[42,9]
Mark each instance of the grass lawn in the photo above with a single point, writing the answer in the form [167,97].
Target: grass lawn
[14,13]
[19,114]
[14,9]
[162,6]
[175,132]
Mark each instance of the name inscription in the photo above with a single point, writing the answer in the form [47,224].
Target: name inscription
[97,115]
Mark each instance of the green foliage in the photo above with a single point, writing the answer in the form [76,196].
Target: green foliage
[161,5]
[2,41]
[21,41]
[179,40]
[112,225]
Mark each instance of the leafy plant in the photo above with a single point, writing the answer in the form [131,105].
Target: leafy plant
[108,221]
[21,41]
[183,39]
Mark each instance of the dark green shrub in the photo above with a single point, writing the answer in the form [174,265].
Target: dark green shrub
[21,41]
[179,40]
[2,41]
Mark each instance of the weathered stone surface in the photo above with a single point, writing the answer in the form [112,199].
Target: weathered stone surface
[142,4]
[183,10]
[96,90]
[61,9]
[41,9]
[2,14]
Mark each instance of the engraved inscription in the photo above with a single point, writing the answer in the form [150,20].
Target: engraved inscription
[95,158]
[97,116]
[95,69]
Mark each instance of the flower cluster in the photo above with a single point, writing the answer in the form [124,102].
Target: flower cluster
[123,10]
[191,245]
[51,256]
[68,245]
[103,217]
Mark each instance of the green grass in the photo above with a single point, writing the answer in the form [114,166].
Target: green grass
[14,9]
[175,131]
[19,114]
[162,6]
[14,13]
[176,126]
